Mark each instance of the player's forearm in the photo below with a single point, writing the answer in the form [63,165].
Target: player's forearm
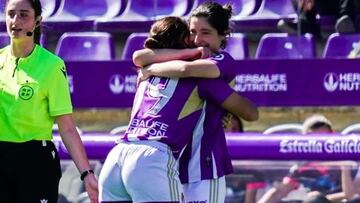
[241,107]
[171,69]
[144,57]
[183,69]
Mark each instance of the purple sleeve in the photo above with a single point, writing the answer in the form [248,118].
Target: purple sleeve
[214,90]
[224,62]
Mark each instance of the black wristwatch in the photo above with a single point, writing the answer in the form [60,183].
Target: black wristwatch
[85,173]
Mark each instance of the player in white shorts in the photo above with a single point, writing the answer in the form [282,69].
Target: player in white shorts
[143,167]
[205,161]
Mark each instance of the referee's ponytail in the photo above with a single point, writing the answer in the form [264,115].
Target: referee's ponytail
[36,5]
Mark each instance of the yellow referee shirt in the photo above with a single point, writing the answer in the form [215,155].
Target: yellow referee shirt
[33,90]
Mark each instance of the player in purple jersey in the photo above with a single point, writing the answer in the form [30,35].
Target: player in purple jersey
[205,161]
[143,166]
[34,94]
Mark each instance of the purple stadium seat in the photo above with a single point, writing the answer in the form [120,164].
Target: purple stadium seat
[283,45]
[351,129]
[134,42]
[240,7]
[266,17]
[49,7]
[140,14]
[80,15]
[89,46]
[275,8]
[284,128]
[4,39]
[340,45]
[237,46]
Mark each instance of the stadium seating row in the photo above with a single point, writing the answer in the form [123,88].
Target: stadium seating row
[296,128]
[100,46]
[137,15]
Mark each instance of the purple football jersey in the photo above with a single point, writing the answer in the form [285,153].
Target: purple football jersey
[207,156]
[167,109]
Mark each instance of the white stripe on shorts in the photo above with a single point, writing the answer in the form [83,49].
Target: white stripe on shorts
[172,173]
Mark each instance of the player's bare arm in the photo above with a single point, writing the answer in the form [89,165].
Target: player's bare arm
[181,69]
[144,57]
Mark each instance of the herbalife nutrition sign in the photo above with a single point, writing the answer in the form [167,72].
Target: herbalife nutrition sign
[290,82]
[261,82]
[342,82]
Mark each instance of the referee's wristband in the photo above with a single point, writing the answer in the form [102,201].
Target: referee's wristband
[86,173]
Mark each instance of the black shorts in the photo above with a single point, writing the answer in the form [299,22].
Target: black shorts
[29,172]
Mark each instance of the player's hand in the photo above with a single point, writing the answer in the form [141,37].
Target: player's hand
[226,121]
[205,52]
[91,186]
[143,74]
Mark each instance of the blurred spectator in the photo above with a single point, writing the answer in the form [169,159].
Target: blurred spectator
[350,186]
[233,123]
[344,10]
[355,53]
[244,184]
[247,182]
[310,175]
[317,124]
